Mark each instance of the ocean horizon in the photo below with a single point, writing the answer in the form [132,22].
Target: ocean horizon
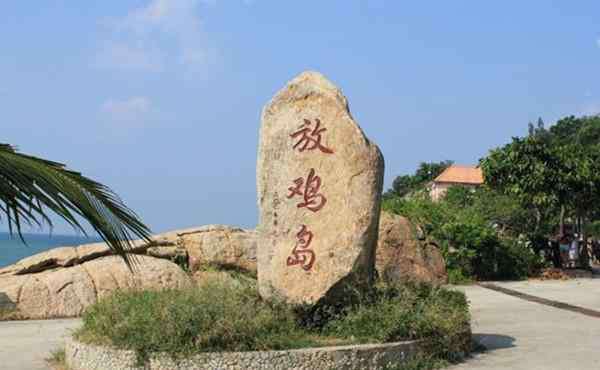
[12,249]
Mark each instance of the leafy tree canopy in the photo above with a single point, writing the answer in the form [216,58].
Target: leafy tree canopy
[529,169]
[571,130]
[426,172]
[554,170]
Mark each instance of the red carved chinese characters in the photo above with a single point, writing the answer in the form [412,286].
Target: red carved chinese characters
[309,190]
[301,254]
[309,137]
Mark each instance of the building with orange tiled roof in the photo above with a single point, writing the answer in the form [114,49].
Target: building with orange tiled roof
[455,175]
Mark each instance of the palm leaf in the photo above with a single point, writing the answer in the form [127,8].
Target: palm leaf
[30,187]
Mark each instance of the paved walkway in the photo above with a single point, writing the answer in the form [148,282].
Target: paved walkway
[25,345]
[579,292]
[519,335]
[530,336]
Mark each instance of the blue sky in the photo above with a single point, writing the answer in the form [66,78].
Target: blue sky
[161,99]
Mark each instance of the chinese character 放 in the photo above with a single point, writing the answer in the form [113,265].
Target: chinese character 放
[301,255]
[310,138]
[309,190]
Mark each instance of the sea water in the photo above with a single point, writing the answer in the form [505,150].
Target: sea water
[13,249]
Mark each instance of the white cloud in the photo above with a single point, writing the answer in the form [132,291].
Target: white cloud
[132,111]
[128,56]
[150,38]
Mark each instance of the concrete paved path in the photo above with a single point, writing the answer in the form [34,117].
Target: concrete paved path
[579,292]
[25,345]
[525,335]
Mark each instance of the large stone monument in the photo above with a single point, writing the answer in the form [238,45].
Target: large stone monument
[319,187]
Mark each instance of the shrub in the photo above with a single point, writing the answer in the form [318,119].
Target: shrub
[457,276]
[518,260]
[213,317]
[409,311]
[231,317]
[472,234]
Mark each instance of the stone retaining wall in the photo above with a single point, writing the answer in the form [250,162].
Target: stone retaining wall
[80,356]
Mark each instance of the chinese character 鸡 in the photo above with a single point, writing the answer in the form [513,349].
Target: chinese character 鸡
[309,190]
[310,138]
[301,255]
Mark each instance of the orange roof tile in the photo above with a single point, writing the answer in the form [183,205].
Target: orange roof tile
[461,175]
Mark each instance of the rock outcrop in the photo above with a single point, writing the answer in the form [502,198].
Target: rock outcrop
[63,281]
[220,245]
[66,292]
[70,256]
[217,245]
[402,256]
[319,186]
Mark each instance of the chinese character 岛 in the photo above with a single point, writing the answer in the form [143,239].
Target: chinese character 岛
[309,190]
[301,255]
[310,138]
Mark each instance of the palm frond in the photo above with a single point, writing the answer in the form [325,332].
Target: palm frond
[31,186]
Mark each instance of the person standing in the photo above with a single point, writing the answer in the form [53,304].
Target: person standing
[574,251]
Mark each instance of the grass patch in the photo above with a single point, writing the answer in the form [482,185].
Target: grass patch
[220,316]
[57,360]
[409,311]
[215,316]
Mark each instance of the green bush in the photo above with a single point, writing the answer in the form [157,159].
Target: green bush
[458,276]
[475,230]
[230,317]
[213,317]
[480,252]
[409,311]
[518,260]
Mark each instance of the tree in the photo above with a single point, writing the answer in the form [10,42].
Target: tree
[530,170]
[578,140]
[403,185]
[538,130]
[427,171]
[579,131]
[552,169]
[31,187]
[502,211]
[565,130]
[582,176]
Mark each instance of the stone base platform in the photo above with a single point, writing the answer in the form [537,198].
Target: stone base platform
[80,356]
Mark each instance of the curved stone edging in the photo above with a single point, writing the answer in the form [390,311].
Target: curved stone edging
[80,356]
